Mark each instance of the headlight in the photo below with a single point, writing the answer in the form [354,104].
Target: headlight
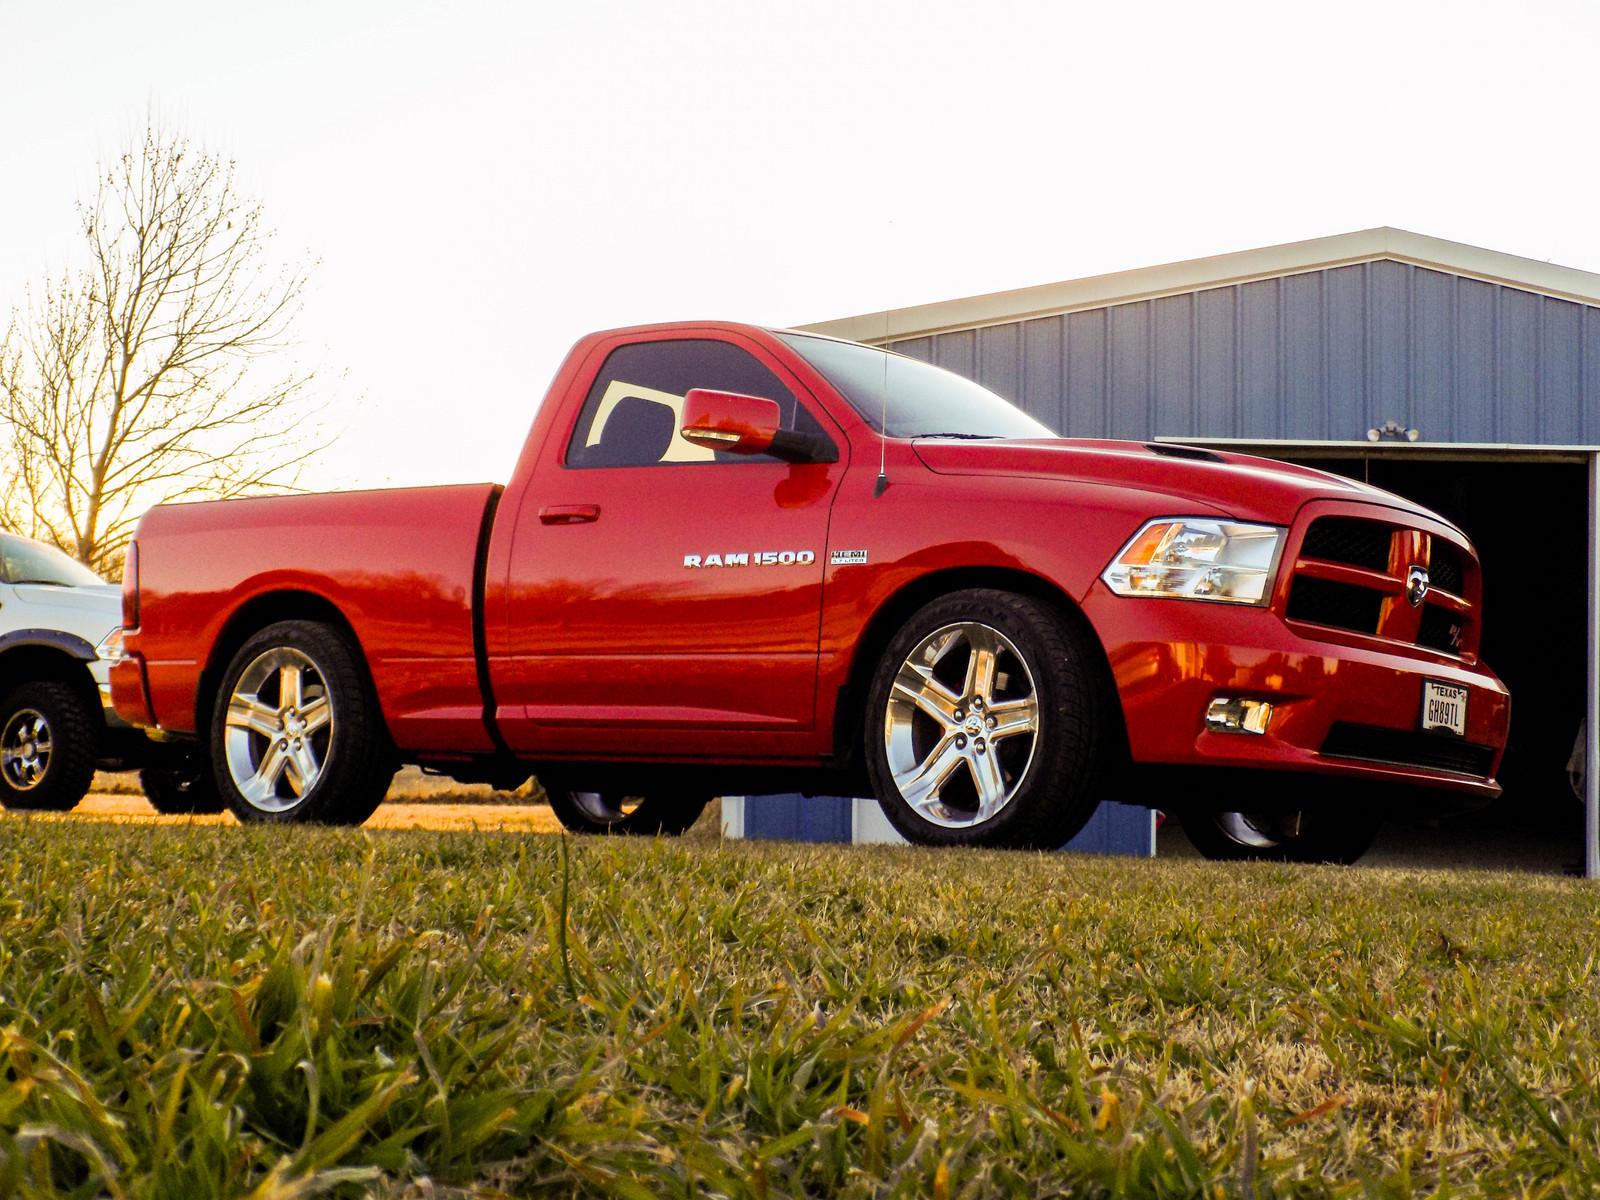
[1194,558]
[110,647]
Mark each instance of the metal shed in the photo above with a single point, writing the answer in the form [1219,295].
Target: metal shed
[1463,377]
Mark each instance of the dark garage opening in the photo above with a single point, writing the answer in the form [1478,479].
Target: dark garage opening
[1527,512]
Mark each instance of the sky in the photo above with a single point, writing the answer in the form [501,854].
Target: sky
[480,183]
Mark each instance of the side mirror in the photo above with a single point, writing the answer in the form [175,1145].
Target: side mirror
[729,421]
[748,425]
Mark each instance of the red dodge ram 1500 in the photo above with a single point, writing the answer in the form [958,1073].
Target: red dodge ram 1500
[734,559]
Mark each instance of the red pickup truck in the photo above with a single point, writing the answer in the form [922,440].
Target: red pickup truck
[736,559]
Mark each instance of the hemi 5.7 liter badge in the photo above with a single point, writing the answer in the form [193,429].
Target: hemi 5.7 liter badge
[847,558]
[754,558]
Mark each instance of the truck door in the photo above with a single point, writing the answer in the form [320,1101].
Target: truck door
[664,598]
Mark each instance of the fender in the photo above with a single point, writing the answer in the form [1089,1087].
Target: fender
[68,643]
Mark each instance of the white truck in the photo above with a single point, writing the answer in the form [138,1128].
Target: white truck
[60,631]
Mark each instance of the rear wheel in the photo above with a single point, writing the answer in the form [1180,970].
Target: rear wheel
[1316,836]
[296,734]
[983,724]
[49,737]
[180,783]
[612,812]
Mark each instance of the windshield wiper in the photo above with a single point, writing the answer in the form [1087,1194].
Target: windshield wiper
[967,436]
[40,582]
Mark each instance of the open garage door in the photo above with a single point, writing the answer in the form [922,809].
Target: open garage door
[1531,511]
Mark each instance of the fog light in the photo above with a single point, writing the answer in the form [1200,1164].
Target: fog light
[1235,714]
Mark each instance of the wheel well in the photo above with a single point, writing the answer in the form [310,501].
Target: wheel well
[252,617]
[895,611]
[26,663]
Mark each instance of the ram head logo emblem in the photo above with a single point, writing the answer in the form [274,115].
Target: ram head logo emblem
[1416,585]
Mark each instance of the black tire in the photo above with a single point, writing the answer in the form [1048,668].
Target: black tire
[349,750]
[1042,791]
[1322,835]
[52,772]
[640,816]
[180,783]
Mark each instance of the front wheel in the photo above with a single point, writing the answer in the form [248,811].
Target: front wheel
[984,724]
[48,742]
[612,812]
[296,734]
[1314,836]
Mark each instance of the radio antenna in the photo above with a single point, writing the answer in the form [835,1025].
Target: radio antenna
[882,484]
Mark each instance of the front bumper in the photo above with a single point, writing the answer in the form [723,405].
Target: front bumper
[1171,658]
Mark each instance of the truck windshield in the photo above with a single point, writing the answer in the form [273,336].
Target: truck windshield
[25,561]
[923,400]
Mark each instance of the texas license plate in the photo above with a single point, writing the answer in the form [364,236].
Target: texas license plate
[1444,708]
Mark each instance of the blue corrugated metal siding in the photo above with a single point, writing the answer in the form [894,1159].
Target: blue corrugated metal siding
[1315,356]
[797,818]
[1117,829]
[1114,828]
[1591,371]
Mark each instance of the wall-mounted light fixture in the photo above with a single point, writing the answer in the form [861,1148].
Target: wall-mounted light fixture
[1392,431]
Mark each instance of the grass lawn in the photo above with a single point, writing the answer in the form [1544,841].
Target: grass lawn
[217,1011]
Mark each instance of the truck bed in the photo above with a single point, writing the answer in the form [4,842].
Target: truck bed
[398,564]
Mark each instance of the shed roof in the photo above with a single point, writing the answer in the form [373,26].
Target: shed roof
[1219,270]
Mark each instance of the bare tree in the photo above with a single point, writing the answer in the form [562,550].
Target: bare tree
[142,376]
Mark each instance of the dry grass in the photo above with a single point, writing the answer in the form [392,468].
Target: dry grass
[216,1010]
[411,786]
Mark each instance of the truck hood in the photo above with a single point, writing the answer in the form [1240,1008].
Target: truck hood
[88,612]
[1243,486]
[95,600]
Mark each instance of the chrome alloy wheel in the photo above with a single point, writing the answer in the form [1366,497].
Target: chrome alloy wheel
[606,807]
[1260,831]
[279,728]
[961,725]
[25,749]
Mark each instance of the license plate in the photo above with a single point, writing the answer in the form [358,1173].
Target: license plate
[1444,708]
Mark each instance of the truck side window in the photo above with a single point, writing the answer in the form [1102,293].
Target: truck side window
[634,410]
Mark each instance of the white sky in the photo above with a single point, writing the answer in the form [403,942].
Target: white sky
[485,182]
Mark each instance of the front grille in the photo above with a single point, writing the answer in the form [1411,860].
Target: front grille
[1340,605]
[1405,748]
[1445,571]
[1349,540]
[1356,603]
[1440,629]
